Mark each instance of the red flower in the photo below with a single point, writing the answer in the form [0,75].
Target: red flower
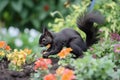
[46,7]
[7,48]
[42,63]
[50,77]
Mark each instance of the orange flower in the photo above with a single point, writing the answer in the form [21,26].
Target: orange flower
[7,48]
[50,77]
[64,52]
[2,44]
[42,63]
[66,74]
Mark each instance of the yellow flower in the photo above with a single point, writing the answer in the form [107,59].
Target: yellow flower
[18,58]
[9,56]
[2,53]
[20,62]
[60,70]
[28,51]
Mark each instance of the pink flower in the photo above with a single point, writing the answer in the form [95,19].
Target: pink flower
[42,63]
[117,48]
[115,36]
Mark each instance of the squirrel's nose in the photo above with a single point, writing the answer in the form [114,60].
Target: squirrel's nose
[41,45]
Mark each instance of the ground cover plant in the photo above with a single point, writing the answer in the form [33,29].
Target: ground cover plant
[100,62]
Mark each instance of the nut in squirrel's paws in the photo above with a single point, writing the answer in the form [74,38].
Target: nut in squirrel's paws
[44,52]
[48,46]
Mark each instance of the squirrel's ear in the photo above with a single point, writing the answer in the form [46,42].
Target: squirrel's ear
[44,29]
[46,32]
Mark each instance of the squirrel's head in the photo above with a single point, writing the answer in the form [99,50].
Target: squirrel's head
[46,38]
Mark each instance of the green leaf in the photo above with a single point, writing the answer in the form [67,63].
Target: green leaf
[36,23]
[29,3]
[24,14]
[17,6]
[3,4]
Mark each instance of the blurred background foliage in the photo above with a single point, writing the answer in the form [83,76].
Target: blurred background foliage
[30,13]
[25,18]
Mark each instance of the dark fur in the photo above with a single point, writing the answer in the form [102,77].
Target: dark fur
[71,38]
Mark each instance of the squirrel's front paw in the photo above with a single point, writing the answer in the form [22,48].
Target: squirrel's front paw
[45,55]
[43,52]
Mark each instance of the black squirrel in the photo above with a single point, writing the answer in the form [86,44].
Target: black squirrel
[70,38]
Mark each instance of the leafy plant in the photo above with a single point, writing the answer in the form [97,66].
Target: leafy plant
[90,68]
[31,14]
[110,9]
[69,21]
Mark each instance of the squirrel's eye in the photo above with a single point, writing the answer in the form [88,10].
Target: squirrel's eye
[43,40]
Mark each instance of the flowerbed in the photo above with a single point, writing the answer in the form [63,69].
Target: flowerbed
[14,65]
[98,62]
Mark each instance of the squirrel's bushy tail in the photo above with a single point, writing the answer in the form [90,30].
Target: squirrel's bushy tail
[86,24]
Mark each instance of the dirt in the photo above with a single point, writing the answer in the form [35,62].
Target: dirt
[6,74]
